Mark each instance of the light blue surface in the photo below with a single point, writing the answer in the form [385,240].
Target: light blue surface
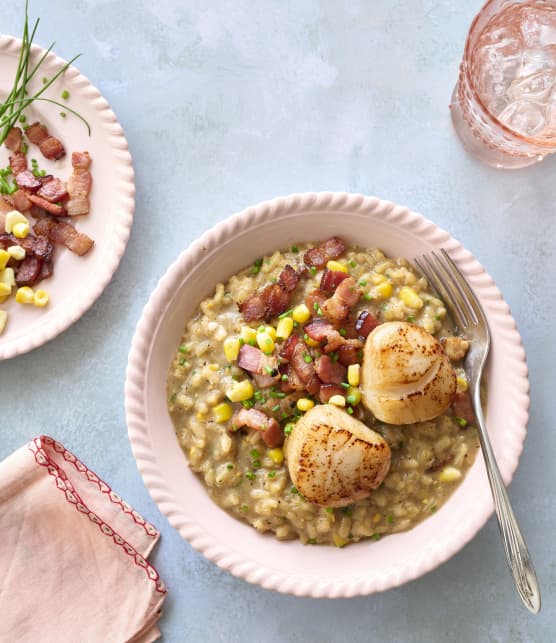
[229,103]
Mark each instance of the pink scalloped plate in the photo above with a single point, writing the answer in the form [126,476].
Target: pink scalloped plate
[289,567]
[77,281]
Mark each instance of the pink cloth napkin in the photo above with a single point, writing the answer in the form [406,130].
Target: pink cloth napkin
[73,554]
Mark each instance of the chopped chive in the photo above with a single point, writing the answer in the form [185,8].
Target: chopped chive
[345,384]
[65,94]
[295,249]
[376,536]
[343,332]
[349,410]
[275,408]
[252,342]
[254,453]
[285,314]
[432,509]
[272,474]
[44,80]
[250,475]
[312,541]
[261,329]
[284,378]
[229,466]
[277,394]
[244,508]
[316,305]
[22,118]
[438,318]
[288,428]
[307,358]
[367,296]
[269,370]
[173,398]
[410,319]
[313,270]
[248,404]
[351,399]
[63,114]
[362,282]
[294,490]
[182,361]
[352,263]
[329,510]
[348,511]
[390,519]
[183,348]
[241,341]
[256,464]
[333,356]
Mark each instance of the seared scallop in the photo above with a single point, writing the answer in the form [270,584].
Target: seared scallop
[334,459]
[406,375]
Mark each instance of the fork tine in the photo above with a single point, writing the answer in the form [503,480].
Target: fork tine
[470,296]
[433,278]
[450,278]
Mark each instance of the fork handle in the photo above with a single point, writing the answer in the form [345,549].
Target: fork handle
[517,554]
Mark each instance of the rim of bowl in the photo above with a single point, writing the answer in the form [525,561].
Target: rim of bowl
[218,551]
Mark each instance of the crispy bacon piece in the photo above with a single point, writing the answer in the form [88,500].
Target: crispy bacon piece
[36,133]
[289,278]
[21,202]
[319,255]
[6,205]
[263,367]
[27,181]
[14,139]
[18,163]
[29,271]
[47,270]
[79,184]
[347,354]
[305,369]
[51,208]
[321,330]
[50,146]
[53,191]
[328,371]
[346,295]
[271,432]
[313,385]
[463,407]
[365,324]
[331,279]
[37,246]
[328,390]
[287,349]
[313,297]
[61,232]
[293,382]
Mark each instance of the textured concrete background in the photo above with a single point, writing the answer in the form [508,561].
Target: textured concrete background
[228,103]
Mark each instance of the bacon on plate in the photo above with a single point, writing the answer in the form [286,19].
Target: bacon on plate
[79,184]
[329,390]
[320,255]
[51,208]
[53,190]
[345,296]
[21,201]
[328,371]
[59,231]
[50,146]
[271,432]
[18,163]
[331,279]
[27,181]
[14,139]
[29,271]
[365,324]
[274,298]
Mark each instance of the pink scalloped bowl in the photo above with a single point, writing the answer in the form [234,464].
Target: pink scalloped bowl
[77,281]
[289,567]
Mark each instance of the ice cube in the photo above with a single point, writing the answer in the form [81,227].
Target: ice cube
[524,117]
[537,87]
[538,26]
[505,39]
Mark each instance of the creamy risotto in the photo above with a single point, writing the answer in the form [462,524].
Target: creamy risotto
[235,392]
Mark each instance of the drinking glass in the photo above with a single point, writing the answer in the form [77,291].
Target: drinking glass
[504,104]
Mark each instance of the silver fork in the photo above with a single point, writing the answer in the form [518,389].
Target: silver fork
[469,316]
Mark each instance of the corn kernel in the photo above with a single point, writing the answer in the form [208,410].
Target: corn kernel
[17,252]
[449,474]
[376,518]
[240,391]
[248,335]
[384,289]
[3,320]
[4,258]
[339,541]
[214,367]
[336,266]
[231,348]
[301,314]
[337,400]
[3,298]
[24,295]
[7,276]
[463,384]
[353,374]
[200,416]
[311,342]
[270,330]
[284,328]
[21,230]
[377,278]
[353,396]
[41,298]
[276,455]
[5,290]
[305,404]
[410,298]
[222,412]
[265,342]
[12,218]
